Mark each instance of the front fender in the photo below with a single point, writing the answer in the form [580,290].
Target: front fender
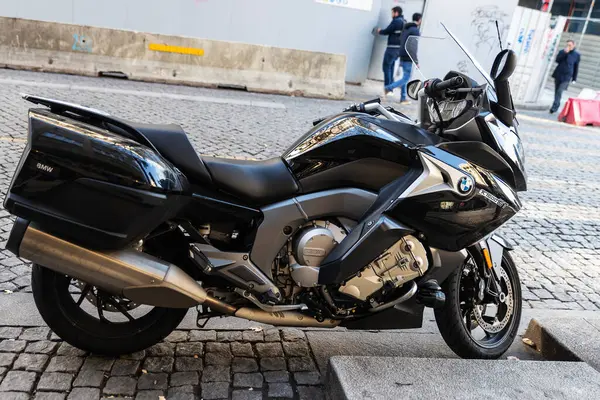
[496,245]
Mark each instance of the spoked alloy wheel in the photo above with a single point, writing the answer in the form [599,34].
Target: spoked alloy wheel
[96,321]
[107,307]
[476,328]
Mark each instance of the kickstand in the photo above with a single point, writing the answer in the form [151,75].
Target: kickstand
[204,315]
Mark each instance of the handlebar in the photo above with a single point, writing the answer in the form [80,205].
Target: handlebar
[364,107]
[433,88]
[372,107]
[436,86]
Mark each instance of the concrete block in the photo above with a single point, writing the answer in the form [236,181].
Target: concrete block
[411,378]
[86,50]
[567,339]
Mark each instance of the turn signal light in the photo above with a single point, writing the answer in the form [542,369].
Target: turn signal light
[488,259]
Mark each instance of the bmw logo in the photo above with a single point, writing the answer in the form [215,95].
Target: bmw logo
[465,184]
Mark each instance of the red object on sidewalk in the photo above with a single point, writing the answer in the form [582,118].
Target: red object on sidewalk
[581,112]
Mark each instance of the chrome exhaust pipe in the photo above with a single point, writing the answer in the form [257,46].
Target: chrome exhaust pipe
[285,318]
[142,278]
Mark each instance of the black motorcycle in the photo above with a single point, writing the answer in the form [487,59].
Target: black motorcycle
[364,221]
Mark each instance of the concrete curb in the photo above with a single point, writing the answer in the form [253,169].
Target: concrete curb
[532,106]
[354,378]
[547,344]
[567,339]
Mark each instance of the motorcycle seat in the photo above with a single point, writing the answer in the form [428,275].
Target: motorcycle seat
[261,182]
[173,144]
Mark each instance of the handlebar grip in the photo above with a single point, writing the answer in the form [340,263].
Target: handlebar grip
[360,107]
[447,84]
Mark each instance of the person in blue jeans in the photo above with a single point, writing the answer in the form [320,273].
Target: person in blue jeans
[565,72]
[392,52]
[408,54]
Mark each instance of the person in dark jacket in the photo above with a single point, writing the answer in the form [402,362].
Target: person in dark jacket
[565,73]
[392,52]
[408,54]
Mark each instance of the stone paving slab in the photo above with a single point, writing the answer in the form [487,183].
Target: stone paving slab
[567,338]
[415,378]
[208,364]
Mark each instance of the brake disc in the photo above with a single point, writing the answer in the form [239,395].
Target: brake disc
[496,325]
[92,298]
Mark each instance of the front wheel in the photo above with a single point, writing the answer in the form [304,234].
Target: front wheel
[480,329]
[95,321]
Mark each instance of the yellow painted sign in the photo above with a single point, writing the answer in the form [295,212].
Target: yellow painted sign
[165,48]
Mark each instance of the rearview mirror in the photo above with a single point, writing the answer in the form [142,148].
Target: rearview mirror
[504,65]
[412,89]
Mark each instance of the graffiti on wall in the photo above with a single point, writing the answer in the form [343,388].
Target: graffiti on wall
[484,25]
[463,67]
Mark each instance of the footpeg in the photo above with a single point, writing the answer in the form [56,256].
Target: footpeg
[430,294]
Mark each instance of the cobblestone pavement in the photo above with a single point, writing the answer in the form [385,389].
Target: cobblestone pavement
[241,365]
[557,232]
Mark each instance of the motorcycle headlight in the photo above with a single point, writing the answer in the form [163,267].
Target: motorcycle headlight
[448,109]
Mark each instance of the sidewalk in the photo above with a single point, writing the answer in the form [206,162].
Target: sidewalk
[230,358]
[558,237]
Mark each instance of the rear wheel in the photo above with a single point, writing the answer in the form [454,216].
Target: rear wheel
[93,320]
[473,328]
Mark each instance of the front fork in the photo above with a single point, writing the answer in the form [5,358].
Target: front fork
[490,251]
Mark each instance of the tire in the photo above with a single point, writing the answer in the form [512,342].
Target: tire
[449,318]
[72,324]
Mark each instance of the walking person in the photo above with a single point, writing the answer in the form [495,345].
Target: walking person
[408,55]
[565,72]
[392,52]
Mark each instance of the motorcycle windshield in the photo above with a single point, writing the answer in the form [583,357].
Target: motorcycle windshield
[434,57]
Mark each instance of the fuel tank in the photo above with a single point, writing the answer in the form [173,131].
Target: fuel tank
[82,182]
[355,150]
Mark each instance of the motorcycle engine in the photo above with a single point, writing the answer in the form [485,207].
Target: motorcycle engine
[297,266]
[403,262]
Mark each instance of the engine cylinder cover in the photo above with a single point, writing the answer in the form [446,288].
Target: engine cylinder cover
[403,262]
[314,243]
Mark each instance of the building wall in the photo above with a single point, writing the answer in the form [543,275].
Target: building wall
[298,24]
[473,22]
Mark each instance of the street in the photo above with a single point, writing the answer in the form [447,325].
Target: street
[556,238]
[557,234]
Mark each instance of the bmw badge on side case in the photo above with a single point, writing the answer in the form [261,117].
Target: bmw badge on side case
[465,184]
